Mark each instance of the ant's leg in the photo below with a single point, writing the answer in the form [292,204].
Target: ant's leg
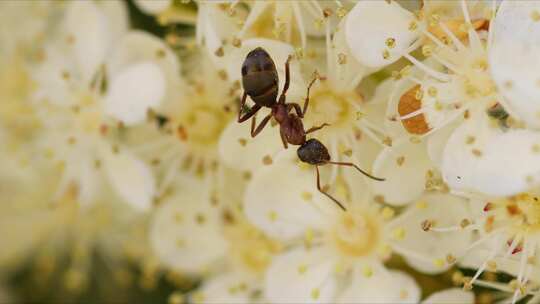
[296,107]
[313,129]
[357,168]
[242,104]
[251,112]
[323,192]
[261,125]
[306,102]
[283,139]
[287,80]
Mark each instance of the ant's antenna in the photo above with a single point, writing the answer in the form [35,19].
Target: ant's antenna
[357,168]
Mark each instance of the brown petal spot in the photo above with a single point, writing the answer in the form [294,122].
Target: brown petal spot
[408,103]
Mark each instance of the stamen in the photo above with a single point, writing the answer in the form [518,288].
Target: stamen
[457,43]
[435,74]
[299,22]
[256,11]
[489,258]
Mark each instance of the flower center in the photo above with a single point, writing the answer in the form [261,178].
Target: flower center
[357,234]
[327,106]
[250,247]
[522,212]
[203,125]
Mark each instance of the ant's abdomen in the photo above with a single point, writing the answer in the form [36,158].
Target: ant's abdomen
[313,152]
[259,77]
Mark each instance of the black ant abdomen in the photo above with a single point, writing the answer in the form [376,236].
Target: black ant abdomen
[260,78]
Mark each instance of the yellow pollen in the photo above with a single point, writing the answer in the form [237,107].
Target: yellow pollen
[272,215]
[315,293]
[302,269]
[388,213]
[390,42]
[438,262]
[399,233]
[357,233]
[421,205]
[535,15]
[367,272]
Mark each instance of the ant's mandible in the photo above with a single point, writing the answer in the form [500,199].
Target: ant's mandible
[261,84]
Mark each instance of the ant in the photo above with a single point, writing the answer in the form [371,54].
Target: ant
[260,81]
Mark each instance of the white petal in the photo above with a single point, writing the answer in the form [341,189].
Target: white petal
[185,233]
[281,208]
[130,177]
[301,276]
[404,167]
[437,141]
[117,17]
[138,47]
[516,32]
[382,287]
[480,166]
[242,152]
[153,7]
[444,210]
[214,26]
[368,26]
[458,162]
[224,288]
[450,296]
[91,37]
[134,91]
[279,51]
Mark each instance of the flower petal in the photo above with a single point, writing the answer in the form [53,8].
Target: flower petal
[140,47]
[117,17]
[404,166]
[444,210]
[88,26]
[450,296]
[516,31]
[286,209]
[370,25]
[153,7]
[437,141]
[474,154]
[185,233]
[130,177]
[382,287]
[225,288]
[135,90]
[301,276]
[242,152]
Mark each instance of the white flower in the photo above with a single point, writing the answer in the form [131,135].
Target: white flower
[193,233]
[339,256]
[187,137]
[452,88]
[507,241]
[153,7]
[289,18]
[516,32]
[44,230]
[186,229]
[95,76]
[449,296]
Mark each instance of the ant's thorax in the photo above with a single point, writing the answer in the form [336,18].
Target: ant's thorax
[280,113]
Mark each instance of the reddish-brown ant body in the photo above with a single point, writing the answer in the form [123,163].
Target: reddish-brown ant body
[261,83]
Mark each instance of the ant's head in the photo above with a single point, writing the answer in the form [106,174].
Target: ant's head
[313,152]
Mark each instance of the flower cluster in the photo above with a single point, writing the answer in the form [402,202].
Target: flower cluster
[122,146]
